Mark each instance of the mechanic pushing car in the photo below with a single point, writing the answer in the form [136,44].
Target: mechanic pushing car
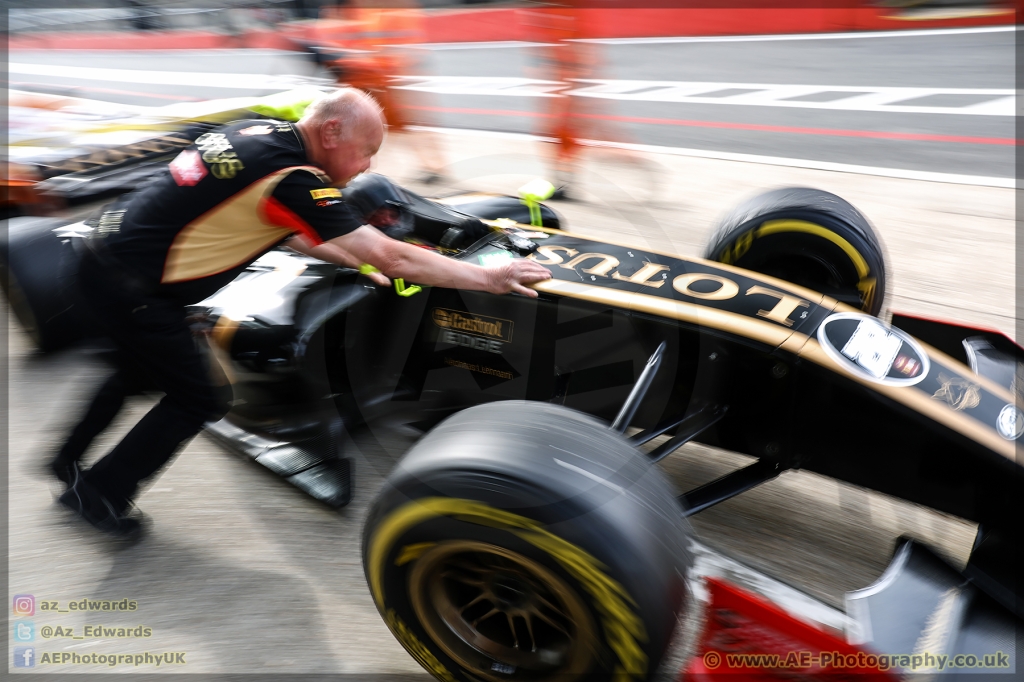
[239,191]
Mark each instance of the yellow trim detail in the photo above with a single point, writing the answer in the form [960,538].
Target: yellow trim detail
[744,325]
[219,342]
[777,226]
[424,656]
[325,193]
[412,552]
[622,627]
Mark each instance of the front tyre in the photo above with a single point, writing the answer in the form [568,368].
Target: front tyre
[525,541]
[808,237]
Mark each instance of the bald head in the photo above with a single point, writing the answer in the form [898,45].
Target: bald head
[342,132]
[352,108]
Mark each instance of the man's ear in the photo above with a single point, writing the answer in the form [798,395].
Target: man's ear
[330,133]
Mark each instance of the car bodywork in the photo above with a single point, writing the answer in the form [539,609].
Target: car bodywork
[770,352]
[748,363]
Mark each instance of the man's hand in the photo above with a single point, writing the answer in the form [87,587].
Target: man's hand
[512,276]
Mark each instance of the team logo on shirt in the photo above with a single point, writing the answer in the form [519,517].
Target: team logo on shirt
[256,130]
[187,169]
[224,164]
[326,193]
[327,202]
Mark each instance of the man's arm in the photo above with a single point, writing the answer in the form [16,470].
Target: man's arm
[332,253]
[398,259]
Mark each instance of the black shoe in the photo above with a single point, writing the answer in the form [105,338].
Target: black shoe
[66,471]
[87,503]
[561,194]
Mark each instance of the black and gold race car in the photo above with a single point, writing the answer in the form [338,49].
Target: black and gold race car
[527,535]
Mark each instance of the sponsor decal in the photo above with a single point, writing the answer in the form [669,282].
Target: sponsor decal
[327,202]
[1010,422]
[112,156]
[187,169]
[481,369]
[256,130]
[224,164]
[325,193]
[959,393]
[110,222]
[474,342]
[477,325]
[865,346]
[907,365]
[600,267]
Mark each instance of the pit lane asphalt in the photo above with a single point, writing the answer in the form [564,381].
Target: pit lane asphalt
[246,574]
[955,142]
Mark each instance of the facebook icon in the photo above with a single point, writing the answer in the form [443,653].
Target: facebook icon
[24,656]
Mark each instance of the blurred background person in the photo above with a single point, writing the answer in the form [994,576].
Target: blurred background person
[368,51]
[573,122]
[556,25]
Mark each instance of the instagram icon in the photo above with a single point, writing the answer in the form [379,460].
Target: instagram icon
[24,605]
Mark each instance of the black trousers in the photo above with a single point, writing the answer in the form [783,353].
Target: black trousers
[156,349]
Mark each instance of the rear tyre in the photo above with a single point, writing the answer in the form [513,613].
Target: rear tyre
[38,272]
[807,237]
[526,541]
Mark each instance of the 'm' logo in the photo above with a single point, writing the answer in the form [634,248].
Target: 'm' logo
[866,347]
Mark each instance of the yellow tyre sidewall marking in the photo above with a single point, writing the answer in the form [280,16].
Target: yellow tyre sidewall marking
[623,628]
[741,245]
[777,226]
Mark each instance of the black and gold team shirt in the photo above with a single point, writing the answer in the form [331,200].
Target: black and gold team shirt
[238,191]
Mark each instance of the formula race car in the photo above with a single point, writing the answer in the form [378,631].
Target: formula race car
[528,535]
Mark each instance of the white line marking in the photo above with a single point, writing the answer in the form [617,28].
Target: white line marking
[481,85]
[844,98]
[927,176]
[993,101]
[910,33]
[496,134]
[1000,102]
[243,81]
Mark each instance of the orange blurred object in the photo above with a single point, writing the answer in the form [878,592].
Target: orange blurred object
[19,194]
[372,36]
[565,61]
[372,32]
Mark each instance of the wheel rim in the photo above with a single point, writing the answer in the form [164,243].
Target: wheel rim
[500,614]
